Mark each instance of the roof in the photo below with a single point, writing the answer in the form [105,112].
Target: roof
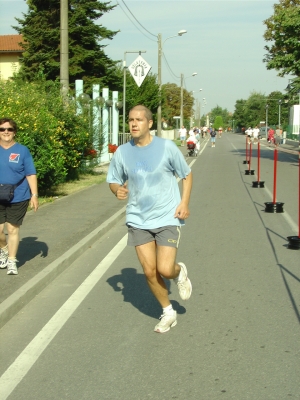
[11,43]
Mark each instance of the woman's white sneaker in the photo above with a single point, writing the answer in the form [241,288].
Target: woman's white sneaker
[3,258]
[12,267]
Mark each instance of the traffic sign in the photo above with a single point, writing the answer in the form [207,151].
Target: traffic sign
[139,70]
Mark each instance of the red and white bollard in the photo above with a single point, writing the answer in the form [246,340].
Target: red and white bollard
[258,183]
[294,241]
[274,207]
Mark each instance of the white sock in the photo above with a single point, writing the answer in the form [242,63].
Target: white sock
[167,310]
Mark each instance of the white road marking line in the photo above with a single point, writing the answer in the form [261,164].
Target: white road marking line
[19,368]
[285,215]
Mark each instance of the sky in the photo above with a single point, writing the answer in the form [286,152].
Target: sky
[224,44]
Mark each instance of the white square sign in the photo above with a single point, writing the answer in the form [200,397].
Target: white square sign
[139,70]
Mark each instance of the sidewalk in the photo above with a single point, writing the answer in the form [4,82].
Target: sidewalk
[290,145]
[52,238]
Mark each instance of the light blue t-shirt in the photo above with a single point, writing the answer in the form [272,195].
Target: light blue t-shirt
[15,164]
[151,174]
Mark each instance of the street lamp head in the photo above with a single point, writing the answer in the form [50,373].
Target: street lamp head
[84,98]
[200,90]
[100,101]
[182,32]
[195,73]
[109,103]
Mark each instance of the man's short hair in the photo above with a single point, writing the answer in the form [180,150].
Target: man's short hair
[148,113]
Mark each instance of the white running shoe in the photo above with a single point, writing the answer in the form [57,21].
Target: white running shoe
[12,267]
[166,322]
[184,284]
[3,258]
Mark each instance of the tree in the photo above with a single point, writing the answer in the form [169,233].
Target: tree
[239,114]
[283,31]
[218,122]
[273,109]
[171,100]
[40,28]
[254,110]
[219,112]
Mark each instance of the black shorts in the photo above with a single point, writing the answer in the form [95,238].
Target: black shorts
[13,213]
[165,236]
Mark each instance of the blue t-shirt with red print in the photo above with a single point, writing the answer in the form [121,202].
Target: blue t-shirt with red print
[15,164]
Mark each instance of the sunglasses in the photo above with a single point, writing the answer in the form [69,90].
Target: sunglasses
[7,129]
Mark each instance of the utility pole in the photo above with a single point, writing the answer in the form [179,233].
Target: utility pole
[159,85]
[64,50]
[181,100]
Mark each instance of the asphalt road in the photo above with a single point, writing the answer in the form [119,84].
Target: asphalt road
[89,333]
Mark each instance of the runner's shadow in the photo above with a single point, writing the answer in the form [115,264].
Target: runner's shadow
[134,288]
[30,248]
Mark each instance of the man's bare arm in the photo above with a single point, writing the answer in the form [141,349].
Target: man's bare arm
[182,211]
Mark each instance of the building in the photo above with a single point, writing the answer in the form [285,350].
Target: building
[10,54]
[294,122]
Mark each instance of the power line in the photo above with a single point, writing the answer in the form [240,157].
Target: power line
[135,19]
[169,68]
[134,23]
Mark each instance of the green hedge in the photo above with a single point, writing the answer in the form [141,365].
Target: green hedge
[56,137]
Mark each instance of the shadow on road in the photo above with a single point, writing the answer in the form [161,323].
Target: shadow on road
[134,288]
[30,248]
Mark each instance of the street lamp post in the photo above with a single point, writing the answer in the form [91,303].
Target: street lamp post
[279,111]
[197,108]
[160,52]
[64,51]
[181,96]
[267,108]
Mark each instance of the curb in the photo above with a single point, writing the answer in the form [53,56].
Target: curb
[14,303]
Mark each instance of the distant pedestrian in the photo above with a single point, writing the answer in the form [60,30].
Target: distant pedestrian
[213,135]
[16,169]
[182,135]
[255,133]
[197,136]
[249,134]
[278,136]
[271,134]
[144,170]
[220,131]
